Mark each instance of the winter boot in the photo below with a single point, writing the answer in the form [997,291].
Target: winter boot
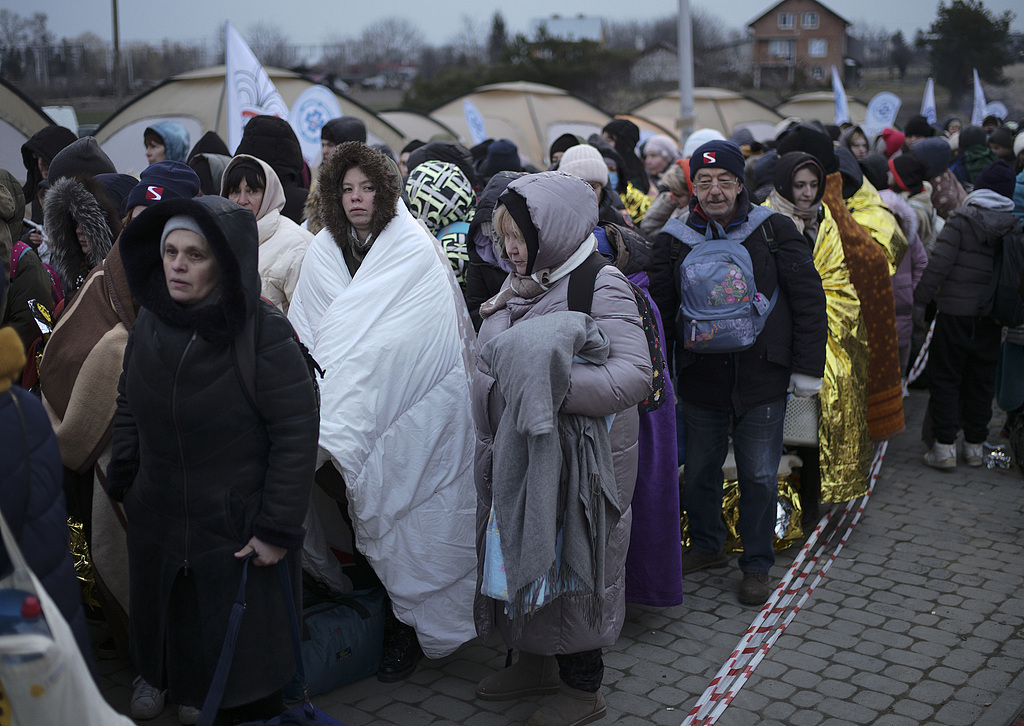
[570,707]
[974,454]
[530,675]
[941,456]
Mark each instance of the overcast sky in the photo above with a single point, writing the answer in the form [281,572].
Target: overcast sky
[317,21]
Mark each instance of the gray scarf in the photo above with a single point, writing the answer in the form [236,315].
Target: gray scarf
[551,471]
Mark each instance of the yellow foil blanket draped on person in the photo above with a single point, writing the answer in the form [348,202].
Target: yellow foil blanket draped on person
[844,441]
[871,259]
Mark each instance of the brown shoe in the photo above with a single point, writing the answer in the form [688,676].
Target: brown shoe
[694,560]
[530,675]
[755,588]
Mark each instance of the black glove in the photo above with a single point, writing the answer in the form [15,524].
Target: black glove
[919,317]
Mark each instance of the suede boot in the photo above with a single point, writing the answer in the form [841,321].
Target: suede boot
[530,675]
[570,707]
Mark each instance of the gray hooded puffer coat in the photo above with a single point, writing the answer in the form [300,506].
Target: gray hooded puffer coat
[564,211]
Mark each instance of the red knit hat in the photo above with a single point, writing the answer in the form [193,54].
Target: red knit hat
[893,141]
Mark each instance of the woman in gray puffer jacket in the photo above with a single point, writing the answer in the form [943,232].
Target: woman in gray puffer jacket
[545,222]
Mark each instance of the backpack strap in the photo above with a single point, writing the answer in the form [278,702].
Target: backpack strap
[768,232]
[580,295]
[674,228]
[18,250]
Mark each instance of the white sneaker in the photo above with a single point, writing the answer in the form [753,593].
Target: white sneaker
[187,715]
[147,701]
[941,456]
[974,454]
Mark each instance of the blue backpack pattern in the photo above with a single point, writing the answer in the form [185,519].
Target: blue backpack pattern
[720,309]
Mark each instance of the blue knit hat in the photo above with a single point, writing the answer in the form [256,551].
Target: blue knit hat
[163,180]
[718,155]
[998,177]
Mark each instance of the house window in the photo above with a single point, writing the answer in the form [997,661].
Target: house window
[817,73]
[786,21]
[809,21]
[817,47]
[781,49]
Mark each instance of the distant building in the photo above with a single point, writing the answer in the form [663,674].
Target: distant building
[580,27]
[799,36]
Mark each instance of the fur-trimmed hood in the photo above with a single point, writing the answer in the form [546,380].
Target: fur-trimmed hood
[311,211]
[378,168]
[72,202]
[17,213]
[231,233]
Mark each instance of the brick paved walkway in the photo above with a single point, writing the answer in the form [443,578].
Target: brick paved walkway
[920,620]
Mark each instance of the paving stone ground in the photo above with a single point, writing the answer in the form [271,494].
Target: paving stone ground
[920,620]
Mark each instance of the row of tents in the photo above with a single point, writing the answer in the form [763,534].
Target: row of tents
[530,114]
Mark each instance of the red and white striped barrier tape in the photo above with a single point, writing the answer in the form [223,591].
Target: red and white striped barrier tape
[922,356]
[766,628]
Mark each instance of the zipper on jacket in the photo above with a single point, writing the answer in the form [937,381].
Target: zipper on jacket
[181,448]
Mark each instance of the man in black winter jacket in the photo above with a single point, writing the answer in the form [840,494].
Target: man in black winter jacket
[965,343]
[743,392]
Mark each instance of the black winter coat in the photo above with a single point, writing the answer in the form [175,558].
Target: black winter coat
[793,338]
[201,470]
[961,262]
[33,505]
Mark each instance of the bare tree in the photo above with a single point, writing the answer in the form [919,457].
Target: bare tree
[466,43]
[390,41]
[13,38]
[270,46]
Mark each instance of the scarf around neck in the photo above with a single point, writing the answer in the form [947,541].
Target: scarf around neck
[531,286]
[806,220]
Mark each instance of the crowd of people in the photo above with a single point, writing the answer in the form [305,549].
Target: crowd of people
[515,383]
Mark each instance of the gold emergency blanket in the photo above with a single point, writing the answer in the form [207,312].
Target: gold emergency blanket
[870,212]
[83,564]
[843,436]
[787,529]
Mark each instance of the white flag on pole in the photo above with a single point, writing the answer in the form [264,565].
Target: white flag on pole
[839,94]
[475,122]
[978,112]
[996,108]
[928,102]
[881,113]
[249,90]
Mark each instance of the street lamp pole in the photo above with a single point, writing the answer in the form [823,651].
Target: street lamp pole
[117,54]
[685,121]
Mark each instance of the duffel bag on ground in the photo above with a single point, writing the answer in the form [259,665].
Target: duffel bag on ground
[342,639]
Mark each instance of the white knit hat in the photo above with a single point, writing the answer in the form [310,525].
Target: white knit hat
[585,162]
[1018,143]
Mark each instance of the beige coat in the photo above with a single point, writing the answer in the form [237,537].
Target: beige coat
[614,388]
[283,243]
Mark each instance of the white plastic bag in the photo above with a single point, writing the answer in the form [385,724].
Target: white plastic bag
[57,688]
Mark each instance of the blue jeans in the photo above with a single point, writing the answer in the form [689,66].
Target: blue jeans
[757,443]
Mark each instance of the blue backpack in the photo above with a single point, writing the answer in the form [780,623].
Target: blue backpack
[720,309]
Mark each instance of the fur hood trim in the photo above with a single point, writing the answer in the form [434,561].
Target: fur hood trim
[378,168]
[311,211]
[73,202]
